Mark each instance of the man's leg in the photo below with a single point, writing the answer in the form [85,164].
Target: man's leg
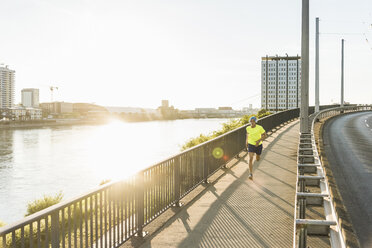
[258,153]
[251,154]
[258,157]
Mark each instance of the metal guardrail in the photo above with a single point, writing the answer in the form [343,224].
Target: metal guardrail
[110,215]
[310,173]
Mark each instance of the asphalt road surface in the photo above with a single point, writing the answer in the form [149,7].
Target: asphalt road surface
[348,147]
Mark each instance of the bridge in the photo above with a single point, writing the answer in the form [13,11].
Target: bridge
[203,197]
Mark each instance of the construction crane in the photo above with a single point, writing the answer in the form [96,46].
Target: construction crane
[52,88]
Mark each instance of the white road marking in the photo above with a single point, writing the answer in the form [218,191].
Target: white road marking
[367,125]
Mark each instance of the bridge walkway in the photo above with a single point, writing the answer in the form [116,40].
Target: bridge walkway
[234,211]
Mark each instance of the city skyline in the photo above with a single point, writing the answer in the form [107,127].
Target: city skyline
[194,54]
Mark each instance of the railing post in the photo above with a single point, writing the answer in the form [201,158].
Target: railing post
[205,163]
[55,229]
[177,183]
[139,203]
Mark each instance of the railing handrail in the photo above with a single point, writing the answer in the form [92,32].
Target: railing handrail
[333,109]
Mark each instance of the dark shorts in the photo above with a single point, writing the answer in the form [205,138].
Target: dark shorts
[255,149]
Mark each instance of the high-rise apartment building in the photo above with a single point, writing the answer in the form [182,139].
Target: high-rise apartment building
[280,83]
[165,103]
[7,87]
[30,98]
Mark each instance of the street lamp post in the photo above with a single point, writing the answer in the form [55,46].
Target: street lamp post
[342,73]
[317,65]
[304,110]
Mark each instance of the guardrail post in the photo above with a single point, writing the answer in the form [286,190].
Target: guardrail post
[139,203]
[303,235]
[55,229]
[177,183]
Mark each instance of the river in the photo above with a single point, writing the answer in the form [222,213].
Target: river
[75,159]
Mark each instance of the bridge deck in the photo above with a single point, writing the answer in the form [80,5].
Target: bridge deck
[235,211]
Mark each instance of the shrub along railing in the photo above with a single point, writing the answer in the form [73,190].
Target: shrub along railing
[111,214]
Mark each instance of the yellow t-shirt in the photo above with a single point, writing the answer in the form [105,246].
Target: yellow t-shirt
[254,134]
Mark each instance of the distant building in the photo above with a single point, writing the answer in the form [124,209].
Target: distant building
[30,98]
[84,108]
[167,113]
[21,113]
[126,110]
[57,107]
[7,87]
[225,108]
[221,112]
[90,110]
[165,103]
[280,82]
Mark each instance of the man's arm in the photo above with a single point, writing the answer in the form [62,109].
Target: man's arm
[263,136]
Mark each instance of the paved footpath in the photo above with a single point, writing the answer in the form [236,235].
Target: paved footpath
[235,211]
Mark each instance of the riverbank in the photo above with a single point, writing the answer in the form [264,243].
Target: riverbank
[73,122]
[48,123]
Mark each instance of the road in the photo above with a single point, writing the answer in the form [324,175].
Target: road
[348,147]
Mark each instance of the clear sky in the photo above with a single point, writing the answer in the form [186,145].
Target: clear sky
[196,53]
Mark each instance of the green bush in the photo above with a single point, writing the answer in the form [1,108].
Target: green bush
[2,223]
[43,203]
[226,127]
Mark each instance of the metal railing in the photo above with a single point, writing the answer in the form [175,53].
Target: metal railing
[310,173]
[110,215]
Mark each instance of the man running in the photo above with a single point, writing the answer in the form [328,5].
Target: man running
[255,135]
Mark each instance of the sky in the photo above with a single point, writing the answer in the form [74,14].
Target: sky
[195,53]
